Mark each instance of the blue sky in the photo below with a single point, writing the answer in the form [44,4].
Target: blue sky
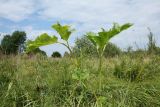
[36,16]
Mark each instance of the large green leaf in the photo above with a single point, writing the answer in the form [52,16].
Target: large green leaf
[96,40]
[102,38]
[91,36]
[42,40]
[64,31]
[116,29]
[80,74]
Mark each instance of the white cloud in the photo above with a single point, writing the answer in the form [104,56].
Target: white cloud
[91,15]
[94,14]
[16,10]
[98,11]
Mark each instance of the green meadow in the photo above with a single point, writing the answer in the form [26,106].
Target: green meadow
[94,73]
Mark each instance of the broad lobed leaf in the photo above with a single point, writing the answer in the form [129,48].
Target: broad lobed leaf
[64,31]
[90,36]
[116,29]
[96,40]
[102,38]
[42,40]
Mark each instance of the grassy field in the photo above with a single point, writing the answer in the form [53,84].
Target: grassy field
[127,81]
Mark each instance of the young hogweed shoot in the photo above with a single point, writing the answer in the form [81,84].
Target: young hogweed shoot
[101,39]
[44,39]
[64,32]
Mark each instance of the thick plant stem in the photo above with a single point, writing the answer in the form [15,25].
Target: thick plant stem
[67,46]
[100,71]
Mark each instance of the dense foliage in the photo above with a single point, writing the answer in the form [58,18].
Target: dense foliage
[13,44]
[112,50]
[56,55]
[85,47]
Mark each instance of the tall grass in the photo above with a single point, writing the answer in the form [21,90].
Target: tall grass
[46,82]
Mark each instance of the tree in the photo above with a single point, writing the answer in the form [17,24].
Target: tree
[112,50]
[84,46]
[18,38]
[0,49]
[7,45]
[11,43]
[56,55]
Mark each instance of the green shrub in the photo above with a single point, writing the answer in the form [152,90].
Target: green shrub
[112,50]
[84,46]
[56,55]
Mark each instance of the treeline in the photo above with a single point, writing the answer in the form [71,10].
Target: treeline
[16,43]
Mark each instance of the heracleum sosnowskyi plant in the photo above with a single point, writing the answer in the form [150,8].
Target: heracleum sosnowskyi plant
[64,32]
[45,39]
[101,39]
